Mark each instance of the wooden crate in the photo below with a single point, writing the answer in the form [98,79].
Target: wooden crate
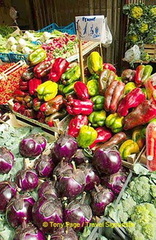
[151,50]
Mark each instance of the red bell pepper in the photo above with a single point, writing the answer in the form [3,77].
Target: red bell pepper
[103,136]
[58,68]
[23,85]
[142,73]
[53,105]
[76,106]
[42,69]
[33,84]
[109,66]
[132,99]
[141,115]
[20,108]
[36,103]
[150,86]
[76,123]
[81,90]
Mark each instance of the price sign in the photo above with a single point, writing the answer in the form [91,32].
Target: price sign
[90,28]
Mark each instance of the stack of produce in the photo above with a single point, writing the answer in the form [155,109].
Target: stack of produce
[56,43]
[106,111]
[10,83]
[53,190]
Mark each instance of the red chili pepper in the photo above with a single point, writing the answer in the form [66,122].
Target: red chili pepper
[103,135]
[76,123]
[33,84]
[81,90]
[132,99]
[36,103]
[76,106]
[19,93]
[58,68]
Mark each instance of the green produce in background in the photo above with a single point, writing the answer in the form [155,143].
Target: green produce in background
[87,135]
[97,118]
[37,56]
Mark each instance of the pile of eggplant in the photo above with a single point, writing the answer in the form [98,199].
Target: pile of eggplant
[73,187]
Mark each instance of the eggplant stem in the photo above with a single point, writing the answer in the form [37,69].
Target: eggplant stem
[48,238]
[96,188]
[55,178]
[74,166]
[83,198]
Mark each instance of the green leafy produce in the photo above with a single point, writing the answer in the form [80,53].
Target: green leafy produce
[137,205]
[6,30]
[143,218]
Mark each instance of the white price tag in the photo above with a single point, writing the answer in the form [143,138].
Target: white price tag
[90,28]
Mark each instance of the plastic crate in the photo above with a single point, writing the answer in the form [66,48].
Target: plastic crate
[70,29]
[17,57]
[5,57]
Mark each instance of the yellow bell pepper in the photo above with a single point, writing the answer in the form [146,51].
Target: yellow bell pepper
[47,90]
[127,148]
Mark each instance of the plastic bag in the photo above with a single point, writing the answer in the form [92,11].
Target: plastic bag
[132,54]
[106,35]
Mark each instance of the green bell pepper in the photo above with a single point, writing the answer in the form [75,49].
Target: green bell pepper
[37,56]
[71,75]
[97,118]
[114,122]
[69,88]
[87,135]
[93,87]
[47,90]
[94,63]
[98,102]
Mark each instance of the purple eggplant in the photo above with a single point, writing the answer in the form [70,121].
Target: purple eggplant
[107,161]
[19,210]
[91,177]
[79,157]
[27,179]
[47,211]
[78,213]
[32,145]
[8,190]
[65,234]
[46,189]
[71,183]
[115,181]
[100,198]
[65,147]
[44,165]
[61,168]
[28,232]
[6,160]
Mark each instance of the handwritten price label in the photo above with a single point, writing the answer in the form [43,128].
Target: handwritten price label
[90,28]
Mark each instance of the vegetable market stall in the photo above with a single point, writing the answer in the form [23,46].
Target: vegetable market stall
[91,159]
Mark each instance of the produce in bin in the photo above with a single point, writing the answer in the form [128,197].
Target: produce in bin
[67,196]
